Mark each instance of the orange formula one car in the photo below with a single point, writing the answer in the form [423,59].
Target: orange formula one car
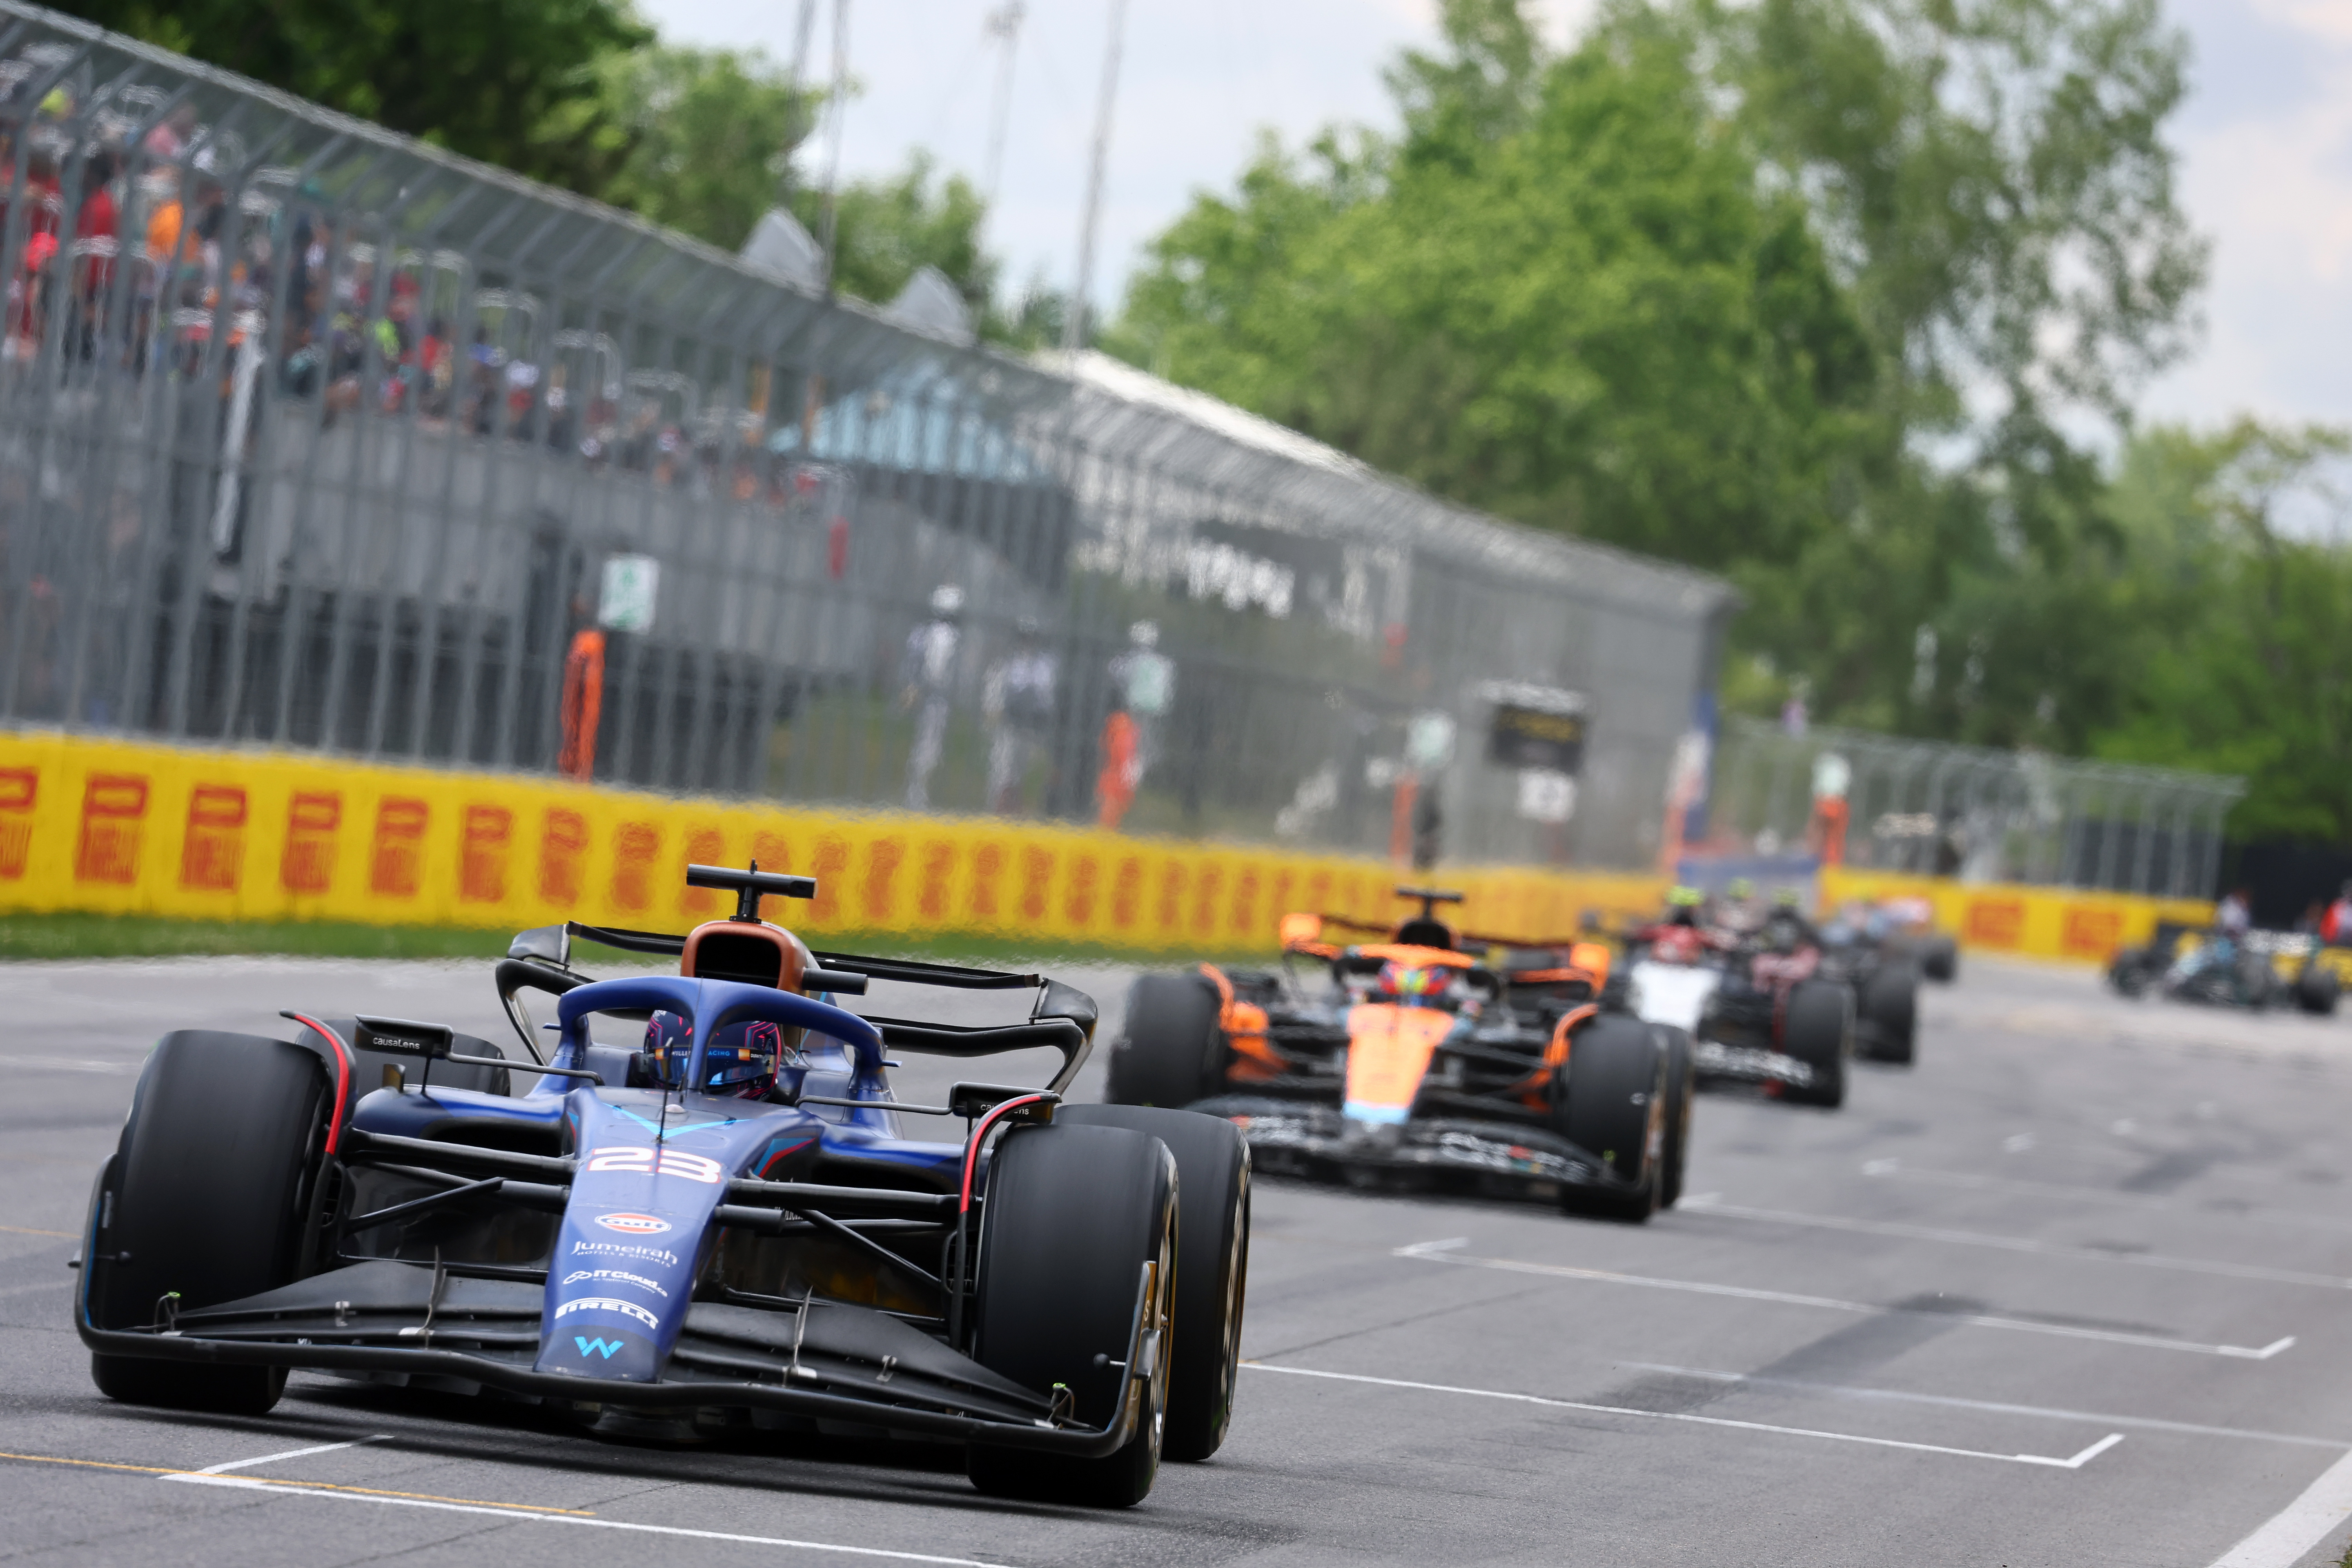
[1428,1057]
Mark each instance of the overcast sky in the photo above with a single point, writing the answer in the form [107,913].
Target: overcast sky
[2266,139]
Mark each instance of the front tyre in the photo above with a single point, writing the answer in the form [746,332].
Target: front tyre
[203,1203]
[1939,960]
[1212,1172]
[1891,1003]
[1613,1105]
[1076,1219]
[1818,1032]
[1171,1049]
[2317,990]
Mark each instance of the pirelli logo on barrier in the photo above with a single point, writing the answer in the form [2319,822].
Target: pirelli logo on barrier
[396,863]
[212,852]
[308,863]
[482,857]
[113,821]
[20,788]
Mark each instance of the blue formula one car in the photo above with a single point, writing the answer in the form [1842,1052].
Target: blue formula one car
[720,1220]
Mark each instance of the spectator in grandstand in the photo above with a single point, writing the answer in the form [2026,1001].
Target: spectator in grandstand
[927,670]
[1017,703]
[170,136]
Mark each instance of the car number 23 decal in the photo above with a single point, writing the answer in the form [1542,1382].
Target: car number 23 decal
[665,1161]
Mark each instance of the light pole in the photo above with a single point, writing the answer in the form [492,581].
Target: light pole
[1073,322]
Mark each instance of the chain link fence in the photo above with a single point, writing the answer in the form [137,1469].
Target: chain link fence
[314,436]
[1937,809]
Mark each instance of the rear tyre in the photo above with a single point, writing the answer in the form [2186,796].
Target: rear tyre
[1818,1032]
[2316,991]
[1171,1050]
[1939,959]
[1682,1088]
[1891,1003]
[207,1196]
[1071,1218]
[1212,1172]
[1613,1106]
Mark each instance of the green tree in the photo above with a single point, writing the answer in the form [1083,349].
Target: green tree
[2245,666]
[1560,296]
[701,139]
[485,78]
[888,229]
[1991,180]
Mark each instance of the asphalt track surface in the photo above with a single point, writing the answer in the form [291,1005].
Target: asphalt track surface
[2072,1293]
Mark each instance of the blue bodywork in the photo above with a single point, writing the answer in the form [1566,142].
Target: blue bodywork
[653,1164]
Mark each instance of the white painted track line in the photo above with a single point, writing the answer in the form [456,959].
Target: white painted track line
[1990,1407]
[2024,1244]
[1443,1252]
[2302,1525]
[247,1483]
[2075,1463]
[289,1454]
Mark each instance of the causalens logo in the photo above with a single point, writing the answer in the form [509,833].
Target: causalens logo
[632,1223]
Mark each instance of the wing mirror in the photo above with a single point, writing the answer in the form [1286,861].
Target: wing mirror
[545,944]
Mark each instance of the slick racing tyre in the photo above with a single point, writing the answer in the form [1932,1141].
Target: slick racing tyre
[2127,973]
[1613,1106]
[1171,1050]
[2315,990]
[1212,1172]
[1891,1003]
[1072,1218]
[1939,959]
[1818,1032]
[1682,1089]
[205,1201]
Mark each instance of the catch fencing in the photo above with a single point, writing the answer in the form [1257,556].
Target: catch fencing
[1933,809]
[314,437]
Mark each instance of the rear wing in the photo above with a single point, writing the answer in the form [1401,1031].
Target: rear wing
[1061,1018]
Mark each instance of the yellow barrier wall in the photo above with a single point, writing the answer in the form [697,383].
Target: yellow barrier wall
[121,827]
[2072,924]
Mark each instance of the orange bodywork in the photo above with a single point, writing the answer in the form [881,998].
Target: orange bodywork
[1389,1047]
[1530,1089]
[1243,1023]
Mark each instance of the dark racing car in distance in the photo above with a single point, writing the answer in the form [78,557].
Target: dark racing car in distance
[707,1210]
[2261,970]
[1417,1060]
[1866,950]
[1757,1005]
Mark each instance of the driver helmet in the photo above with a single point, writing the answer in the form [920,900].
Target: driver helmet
[1740,888]
[1682,906]
[1677,944]
[740,1062]
[1409,983]
[1787,898]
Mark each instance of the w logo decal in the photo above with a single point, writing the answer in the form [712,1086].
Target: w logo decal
[601,1347]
